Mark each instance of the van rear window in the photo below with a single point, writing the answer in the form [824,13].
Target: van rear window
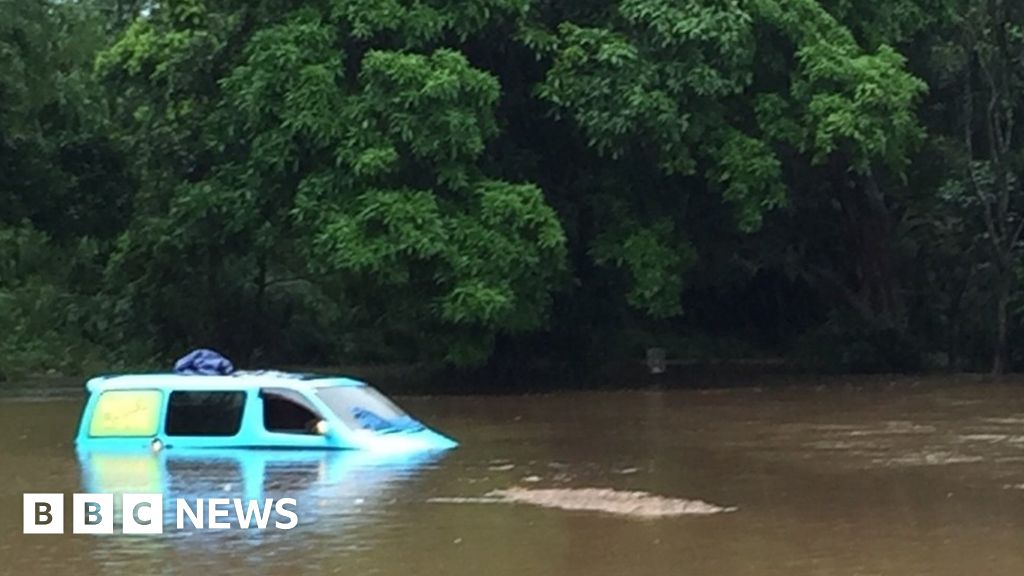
[202,413]
[126,413]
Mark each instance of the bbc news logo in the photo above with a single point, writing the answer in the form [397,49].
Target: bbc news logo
[144,513]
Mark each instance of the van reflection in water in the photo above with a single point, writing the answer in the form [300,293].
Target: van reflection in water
[330,488]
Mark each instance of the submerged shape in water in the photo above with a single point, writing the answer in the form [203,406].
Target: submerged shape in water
[622,502]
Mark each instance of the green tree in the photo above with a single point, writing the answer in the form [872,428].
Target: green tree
[984,54]
[339,141]
[65,191]
[706,88]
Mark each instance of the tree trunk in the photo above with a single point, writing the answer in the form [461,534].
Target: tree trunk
[256,321]
[1002,302]
[953,348]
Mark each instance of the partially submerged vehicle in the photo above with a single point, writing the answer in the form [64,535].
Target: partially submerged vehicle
[263,409]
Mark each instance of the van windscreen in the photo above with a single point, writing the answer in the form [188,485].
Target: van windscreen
[363,407]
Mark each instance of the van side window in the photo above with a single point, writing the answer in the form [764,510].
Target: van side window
[202,413]
[287,411]
[126,413]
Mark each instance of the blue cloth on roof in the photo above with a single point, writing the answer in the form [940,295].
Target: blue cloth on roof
[372,421]
[203,362]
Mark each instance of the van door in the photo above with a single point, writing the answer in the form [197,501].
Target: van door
[289,419]
[205,418]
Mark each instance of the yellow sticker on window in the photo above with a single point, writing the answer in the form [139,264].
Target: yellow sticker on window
[126,413]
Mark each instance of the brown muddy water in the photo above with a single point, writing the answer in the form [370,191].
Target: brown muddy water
[901,477]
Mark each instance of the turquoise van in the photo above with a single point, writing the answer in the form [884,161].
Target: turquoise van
[264,409]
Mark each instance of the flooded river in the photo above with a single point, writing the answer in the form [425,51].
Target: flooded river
[857,477]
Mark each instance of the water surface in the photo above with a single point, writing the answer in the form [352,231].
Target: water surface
[852,478]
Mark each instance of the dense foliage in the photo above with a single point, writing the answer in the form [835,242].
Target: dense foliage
[511,182]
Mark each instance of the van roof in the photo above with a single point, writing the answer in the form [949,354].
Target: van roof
[243,380]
